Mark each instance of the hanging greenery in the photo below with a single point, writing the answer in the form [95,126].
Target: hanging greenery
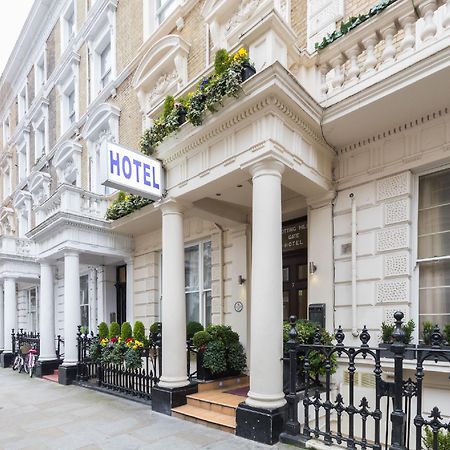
[230,70]
[352,23]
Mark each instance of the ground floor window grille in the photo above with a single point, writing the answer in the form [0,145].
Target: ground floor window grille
[197,268]
[434,248]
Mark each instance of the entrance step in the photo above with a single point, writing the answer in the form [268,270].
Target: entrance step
[213,407]
[52,377]
[224,383]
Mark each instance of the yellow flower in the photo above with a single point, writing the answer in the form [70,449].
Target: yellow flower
[242,52]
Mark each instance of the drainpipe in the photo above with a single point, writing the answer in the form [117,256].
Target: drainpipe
[221,294]
[354,300]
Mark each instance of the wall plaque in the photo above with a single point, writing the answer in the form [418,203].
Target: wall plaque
[294,236]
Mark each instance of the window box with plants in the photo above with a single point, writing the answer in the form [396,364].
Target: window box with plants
[219,353]
[305,335]
[386,339]
[428,328]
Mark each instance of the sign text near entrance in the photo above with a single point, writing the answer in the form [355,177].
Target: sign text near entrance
[294,236]
[132,172]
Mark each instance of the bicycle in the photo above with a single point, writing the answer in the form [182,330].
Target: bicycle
[26,359]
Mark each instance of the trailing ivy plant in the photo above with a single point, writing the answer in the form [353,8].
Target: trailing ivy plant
[125,204]
[352,23]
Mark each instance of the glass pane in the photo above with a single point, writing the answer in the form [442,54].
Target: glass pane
[439,320]
[285,273]
[191,268]
[208,308]
[207,265]
[285,304]
[302,303]
[85,316]
[435,300]
[435,274]
[434,245]
[434,189]
[434,220]
[84,290]
[192,307]
[122,275]
[302,272]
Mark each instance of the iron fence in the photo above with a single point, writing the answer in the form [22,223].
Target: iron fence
[31,338]
[136,383]
[356,422]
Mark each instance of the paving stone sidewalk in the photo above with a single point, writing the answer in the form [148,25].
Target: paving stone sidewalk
[38,414]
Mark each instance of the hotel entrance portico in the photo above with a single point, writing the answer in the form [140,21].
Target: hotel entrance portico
[255,164]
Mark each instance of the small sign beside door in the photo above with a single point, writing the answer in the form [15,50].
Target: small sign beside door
[294,236]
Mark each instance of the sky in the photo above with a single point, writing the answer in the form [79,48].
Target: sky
[13,14]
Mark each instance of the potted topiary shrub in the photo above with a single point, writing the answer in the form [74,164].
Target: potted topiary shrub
[427,332]
[386,339]
[220,354]
[103,330]
[192,328]
[114,330]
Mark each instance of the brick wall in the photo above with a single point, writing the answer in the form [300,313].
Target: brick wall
[30,82]
[298,21]
[82,80]
[357,7]
[52,117]
[130,123]
[129,31]
[52,49]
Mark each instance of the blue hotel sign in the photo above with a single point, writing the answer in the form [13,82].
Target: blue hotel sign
[132,172]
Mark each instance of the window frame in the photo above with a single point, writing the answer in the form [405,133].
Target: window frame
[86,303]
[162,9]
[202,291]
[40,66]
[420,262]
[30,312]
[68,30]
[22,102]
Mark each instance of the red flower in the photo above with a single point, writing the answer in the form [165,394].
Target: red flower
[129,340]
[113,339]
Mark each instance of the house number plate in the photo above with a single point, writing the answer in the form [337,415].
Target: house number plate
[238,306]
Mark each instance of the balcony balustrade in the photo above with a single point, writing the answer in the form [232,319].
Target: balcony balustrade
[385,44]
[72,200]
[10,245]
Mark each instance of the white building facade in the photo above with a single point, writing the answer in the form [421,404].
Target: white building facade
[321,189]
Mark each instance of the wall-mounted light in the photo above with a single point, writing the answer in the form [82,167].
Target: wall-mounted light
[241,280]
[312,267]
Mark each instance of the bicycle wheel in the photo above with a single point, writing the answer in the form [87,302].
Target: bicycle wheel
[16,363]
[31,365]
[25,366]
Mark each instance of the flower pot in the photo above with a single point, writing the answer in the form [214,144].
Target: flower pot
[247,71]
[181,117]
[410,351]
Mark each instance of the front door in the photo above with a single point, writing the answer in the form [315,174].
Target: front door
[121,294]
[295,284]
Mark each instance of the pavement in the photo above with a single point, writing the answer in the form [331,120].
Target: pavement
[39,414]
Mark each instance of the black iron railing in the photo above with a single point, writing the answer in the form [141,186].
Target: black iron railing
[21,337]
[136,383]
[351,420]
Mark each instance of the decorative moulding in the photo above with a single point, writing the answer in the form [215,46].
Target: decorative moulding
[396,264]
[397,211]
[67,161]
[394,186]
[393,291]
[162,71]
[103,118]
[393,238]
[39,186]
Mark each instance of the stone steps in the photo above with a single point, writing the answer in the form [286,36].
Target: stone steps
[213,407]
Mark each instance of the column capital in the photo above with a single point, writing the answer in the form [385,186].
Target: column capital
[171,206]
[71,253]
[321,200]
[269,166]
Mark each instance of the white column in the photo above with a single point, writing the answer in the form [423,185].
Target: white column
[10,311]
[100,294]
[47,314]
[130,290]
[266,335]
[2,320]
[173,307]
[72,314]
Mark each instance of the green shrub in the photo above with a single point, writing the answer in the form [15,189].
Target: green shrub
[132,359]
[222,333]
[168,105]
[84,330]
[306,330]
[201,338]
[447,333]
[221,61]
[236,358]
[388,328]
[125,331]
[443,439]
[95,351]
[214,357]
[114,330]
[427,332]
[154,327]
[139,331]
[103,331]
[192,328]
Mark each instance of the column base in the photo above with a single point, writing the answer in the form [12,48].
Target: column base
[67,374]
[6,359]
[260,425]
[164,399]
[46,367]
[298,440]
